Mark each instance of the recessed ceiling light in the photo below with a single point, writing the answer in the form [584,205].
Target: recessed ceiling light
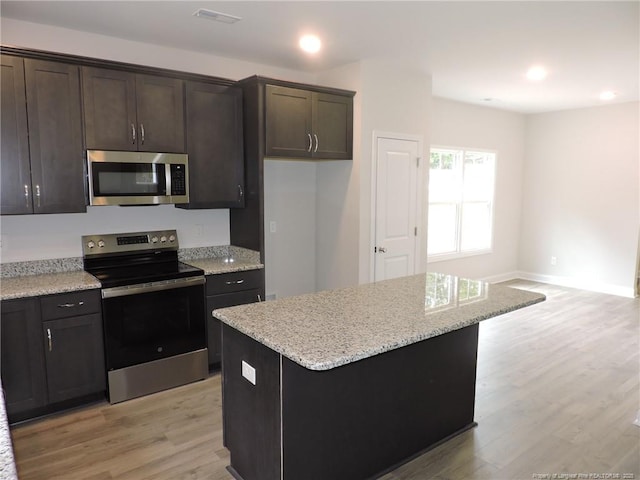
[310,43]
[217,16]
[608,95]
[537,73]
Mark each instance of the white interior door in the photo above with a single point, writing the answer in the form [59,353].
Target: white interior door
[396,207]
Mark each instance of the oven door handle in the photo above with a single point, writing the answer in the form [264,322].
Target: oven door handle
[152,287]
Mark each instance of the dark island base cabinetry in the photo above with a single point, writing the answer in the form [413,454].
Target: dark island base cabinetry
[352,422]
[51,353]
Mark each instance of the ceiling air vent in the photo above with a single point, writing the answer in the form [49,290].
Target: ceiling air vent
[217,16]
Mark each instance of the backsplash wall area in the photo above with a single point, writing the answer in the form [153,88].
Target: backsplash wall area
[38,237]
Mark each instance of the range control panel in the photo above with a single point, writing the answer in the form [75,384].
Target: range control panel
[129,242]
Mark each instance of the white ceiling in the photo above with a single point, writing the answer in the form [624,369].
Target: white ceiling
[474,50]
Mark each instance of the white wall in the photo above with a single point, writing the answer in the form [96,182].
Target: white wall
[290,251]
[38,237]
[63,232]
[338,198]
[581,197]
[394,98]
[456,124]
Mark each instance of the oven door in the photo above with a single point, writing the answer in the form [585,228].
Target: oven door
[152,321]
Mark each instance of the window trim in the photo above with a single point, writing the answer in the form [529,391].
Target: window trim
[458,254]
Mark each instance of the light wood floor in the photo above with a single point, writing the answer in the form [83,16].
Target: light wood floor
[557,391]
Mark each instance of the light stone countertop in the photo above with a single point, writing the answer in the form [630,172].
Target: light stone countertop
[328,329]
[46,284]
[7,462]
[45,277]
[225,259]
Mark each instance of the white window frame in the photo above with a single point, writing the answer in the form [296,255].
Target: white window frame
[440,257]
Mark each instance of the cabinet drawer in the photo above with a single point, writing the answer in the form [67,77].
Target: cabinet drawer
[234,281]
[70,304]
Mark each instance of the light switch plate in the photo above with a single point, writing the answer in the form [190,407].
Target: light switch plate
[248,372]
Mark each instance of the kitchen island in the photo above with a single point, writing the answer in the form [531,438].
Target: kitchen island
[350,383]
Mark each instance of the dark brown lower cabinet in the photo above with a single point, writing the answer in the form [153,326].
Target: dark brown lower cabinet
[74,357]
[227,290]
[22,368]
[49,364]
[214,326]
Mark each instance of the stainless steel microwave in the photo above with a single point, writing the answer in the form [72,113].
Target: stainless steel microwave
[137,178]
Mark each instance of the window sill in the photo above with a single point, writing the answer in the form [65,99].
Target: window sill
[458,255]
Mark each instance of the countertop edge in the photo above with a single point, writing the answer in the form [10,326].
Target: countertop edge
[324,330]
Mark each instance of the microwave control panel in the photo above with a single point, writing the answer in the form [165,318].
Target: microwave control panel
[178,179]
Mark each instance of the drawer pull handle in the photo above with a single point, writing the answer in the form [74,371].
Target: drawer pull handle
[50,339]
[234,282]
[70,305]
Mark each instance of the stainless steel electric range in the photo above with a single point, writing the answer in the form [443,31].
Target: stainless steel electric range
[153,312]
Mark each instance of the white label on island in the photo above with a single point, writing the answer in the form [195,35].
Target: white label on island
[248,372]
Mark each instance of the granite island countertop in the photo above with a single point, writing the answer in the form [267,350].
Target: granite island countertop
[328,329]
[7,461]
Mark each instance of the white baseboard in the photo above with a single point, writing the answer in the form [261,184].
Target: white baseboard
[580,284]
[502,277]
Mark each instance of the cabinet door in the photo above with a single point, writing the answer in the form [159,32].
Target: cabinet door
[214,327]
[160,112]
[109,100]
[288,122]
[21,356]
[215,146]
[55,137]
[14,156]
[74,357]
[332,126]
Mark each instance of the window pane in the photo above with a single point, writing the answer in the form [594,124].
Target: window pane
[476,226]
[478,176]
[442,228]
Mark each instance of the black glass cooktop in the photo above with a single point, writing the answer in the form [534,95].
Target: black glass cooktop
[135,269]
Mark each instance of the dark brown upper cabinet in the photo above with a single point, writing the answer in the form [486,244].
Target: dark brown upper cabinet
[42,153]
[302,123]
[132,112]
[215,146]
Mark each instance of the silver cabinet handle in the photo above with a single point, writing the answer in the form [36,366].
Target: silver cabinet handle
[316,137]
[50,339]
[38,194]
[70,305]
[234,282]
[240,191]
[310,142]
[133,133]
[259,298]
[142,133]
[382,250]
[26,195]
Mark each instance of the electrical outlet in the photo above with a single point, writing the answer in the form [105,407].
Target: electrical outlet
[554,261]
[248,372]
[272,226]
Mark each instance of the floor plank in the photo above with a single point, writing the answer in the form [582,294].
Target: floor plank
[558,388]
